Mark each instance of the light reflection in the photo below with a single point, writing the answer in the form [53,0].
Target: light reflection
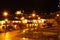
[25,30]
[25,38]
[7,36]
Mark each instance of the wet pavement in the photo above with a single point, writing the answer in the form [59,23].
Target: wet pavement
[12,35]
[28,34]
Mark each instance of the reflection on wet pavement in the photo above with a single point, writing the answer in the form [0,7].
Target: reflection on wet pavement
[15,35]
[11,36]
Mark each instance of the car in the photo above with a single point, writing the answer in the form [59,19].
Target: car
[9,28]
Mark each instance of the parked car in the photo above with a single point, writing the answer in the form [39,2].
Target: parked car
[9,28]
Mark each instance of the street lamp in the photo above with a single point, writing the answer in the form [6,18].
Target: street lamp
[33,14]
[57,15]
[18,12]
[5,14]
[38,17]
[6,20]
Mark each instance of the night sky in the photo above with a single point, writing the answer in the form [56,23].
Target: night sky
[29,5]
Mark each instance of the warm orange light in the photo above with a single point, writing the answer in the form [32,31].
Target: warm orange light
[38,17]
[34,21]
[16,21]
[24,21]
[29,16]
[39,21]
[43,20]
[6,19]
[5,13]
[33,15]
[16,17]
[57,14]
[22,18]
[2,22]
[15,26]
[30,25]
[18,12]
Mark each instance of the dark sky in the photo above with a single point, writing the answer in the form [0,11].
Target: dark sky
[29,5]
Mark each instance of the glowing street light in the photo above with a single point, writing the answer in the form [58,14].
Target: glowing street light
[18,12]
[38,17]
[22,18]
[24,21]
[34,21]
[57,15]
[33,15]
[6,20]
[5,14]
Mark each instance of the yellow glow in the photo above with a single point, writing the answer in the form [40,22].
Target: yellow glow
[15,26]
[36,24]
[8,22]
[7,35]
[27,25]
[24,21]
[57,14]
[16,21]
[1,26]
[2,22]
[5,13]
[33,15]
[30,25]
[34,21]
[24,31]
[18,12]
[19,21]
[6,19]
[43,20]
[38,17]
[22,18]
[25,38]
[39,21]
[16,18]
[13,21]
[29,16]
[35,27]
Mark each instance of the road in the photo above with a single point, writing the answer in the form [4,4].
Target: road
[12,35]
[28,34]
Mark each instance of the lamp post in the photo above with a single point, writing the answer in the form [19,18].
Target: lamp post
[5,14]
[33,14]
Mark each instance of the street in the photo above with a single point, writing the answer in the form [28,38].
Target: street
[29,34]
[13,35]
